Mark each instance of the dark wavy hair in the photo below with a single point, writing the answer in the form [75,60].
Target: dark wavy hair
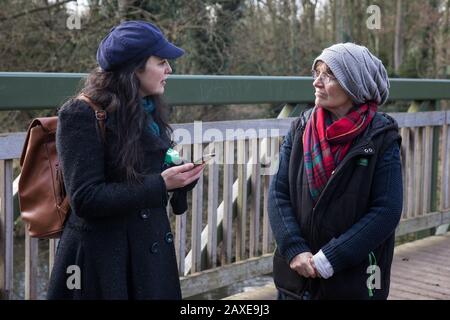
[118,91]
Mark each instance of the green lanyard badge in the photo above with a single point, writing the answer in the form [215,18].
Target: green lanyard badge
[172,157]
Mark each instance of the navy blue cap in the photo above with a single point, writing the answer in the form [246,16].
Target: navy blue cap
[132,41]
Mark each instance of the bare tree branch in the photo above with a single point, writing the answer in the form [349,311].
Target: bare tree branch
[26,12]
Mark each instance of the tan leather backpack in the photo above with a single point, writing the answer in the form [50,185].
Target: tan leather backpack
[43,201]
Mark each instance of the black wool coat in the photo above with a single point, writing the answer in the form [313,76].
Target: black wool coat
[117,234]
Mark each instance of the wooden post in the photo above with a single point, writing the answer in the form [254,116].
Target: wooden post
[181,222]
[52,247]
[256,197]
[6,229]
[213,196]
[410,173]
[405,164]
[31,266]
[241,218]
[197,209]
[266,182]
[227,202]
[427,169]
[418,171]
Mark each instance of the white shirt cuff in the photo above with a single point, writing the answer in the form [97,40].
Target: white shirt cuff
[323,265]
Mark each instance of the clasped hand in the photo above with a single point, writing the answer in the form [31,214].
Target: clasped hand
[303,264]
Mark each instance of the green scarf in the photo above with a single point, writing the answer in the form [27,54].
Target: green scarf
[149,107]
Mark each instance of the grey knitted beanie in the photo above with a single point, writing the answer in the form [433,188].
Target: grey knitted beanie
[359,72]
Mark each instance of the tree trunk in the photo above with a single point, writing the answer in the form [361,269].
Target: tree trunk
[122,8]
[294,44]
[339,20]
[398,42]
[442,58]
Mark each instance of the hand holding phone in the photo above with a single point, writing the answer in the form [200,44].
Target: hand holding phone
[205,158]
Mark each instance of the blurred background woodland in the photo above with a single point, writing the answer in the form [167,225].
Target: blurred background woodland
[226,37]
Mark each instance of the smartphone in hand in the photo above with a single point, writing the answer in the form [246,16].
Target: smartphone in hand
[205,158]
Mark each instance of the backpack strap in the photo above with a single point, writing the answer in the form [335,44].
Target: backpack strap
[47,124]
[100,114]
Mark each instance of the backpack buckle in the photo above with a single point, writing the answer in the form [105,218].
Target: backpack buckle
[101,115]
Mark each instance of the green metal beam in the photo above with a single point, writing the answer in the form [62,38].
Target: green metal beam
[30,90]
[419,89]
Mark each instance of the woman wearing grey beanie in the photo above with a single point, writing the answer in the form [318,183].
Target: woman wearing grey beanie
[337,197]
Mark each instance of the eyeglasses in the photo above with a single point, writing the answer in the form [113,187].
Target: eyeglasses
[326,78]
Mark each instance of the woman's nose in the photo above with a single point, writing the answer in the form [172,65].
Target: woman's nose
[318,83]
[168,69]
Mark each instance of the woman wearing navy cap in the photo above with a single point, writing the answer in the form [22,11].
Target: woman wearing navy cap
[117,242]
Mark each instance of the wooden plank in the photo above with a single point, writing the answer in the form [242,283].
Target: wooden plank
[180,240]
[430,220]
[11,145]
[241,214]
[31,267]
[227,225]
[404,160]
[428,242]
[267,147]
[6,229]
[267,292]
[431,241]
[410,172]
[255,208]
[420,263]
[428,258]
[197,215]
[427,169]
[266,248]
[420,292]
[423,287]
[418,171]
[445,178]
[419,119]
[418,271]
[439,247]
[398,294]
[226,275]
[213,199]
[52,247]
[181,220]
[231,130]
[275,162]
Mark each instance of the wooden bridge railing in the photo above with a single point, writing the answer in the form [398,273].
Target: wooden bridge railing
[225,237]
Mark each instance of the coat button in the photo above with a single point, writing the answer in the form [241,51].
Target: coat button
[169,237]
[155,247]
[145,214]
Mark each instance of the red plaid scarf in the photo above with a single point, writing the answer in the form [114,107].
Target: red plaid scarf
[325,143]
